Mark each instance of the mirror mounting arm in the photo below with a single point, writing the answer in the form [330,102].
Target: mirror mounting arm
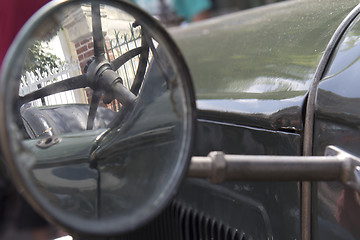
[336,165]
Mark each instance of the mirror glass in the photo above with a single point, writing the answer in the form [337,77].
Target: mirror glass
[97,114]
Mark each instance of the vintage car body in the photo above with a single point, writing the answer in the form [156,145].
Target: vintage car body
[275,80]
[252,73]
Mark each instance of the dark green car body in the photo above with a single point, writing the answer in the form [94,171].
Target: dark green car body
[252,73]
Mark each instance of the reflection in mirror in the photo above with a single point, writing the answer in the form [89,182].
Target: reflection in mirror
[104,116]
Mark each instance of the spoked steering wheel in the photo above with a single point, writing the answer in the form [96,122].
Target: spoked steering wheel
[100,74]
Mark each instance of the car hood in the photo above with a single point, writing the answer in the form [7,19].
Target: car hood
[255,67]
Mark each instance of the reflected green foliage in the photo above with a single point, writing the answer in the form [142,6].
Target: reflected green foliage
[38,58]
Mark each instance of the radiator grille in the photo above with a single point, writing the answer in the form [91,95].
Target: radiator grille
[179,222]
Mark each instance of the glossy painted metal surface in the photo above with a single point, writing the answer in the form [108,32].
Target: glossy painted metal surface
[260,63]
[261,210]
[283,46]
[306,187]
[63,174]
[59,119]
[337,121]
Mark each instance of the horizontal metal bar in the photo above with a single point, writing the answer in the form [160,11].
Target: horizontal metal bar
[336,166]
[276,168]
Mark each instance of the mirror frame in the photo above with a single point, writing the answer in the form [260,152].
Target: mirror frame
[13,149]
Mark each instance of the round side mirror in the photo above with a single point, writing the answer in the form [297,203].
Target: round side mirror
[97,115]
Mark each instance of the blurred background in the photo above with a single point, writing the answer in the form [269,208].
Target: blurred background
[177,12]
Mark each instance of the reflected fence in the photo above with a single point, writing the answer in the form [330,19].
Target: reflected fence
[117,44]
[34,80]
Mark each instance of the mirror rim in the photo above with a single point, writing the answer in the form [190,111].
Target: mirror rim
[10,148]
